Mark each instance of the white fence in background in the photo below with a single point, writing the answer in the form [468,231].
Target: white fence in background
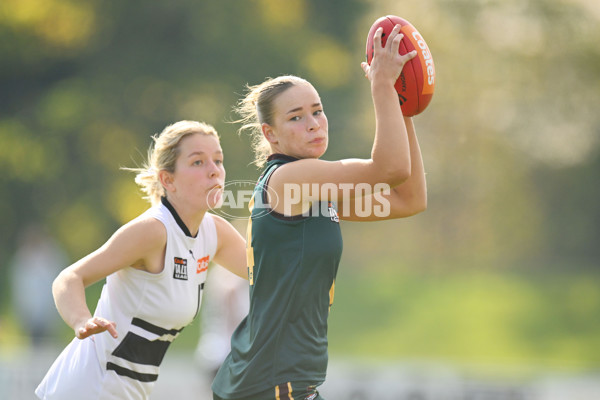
[182,379]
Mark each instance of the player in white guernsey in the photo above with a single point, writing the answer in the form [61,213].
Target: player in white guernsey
[155,267]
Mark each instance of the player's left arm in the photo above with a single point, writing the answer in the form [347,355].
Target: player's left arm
[407,199]
[231,248]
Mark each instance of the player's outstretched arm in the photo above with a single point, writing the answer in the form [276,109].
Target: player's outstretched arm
[390,155]
[140,243]
[407,199]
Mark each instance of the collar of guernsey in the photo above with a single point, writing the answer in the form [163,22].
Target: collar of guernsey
[292,265]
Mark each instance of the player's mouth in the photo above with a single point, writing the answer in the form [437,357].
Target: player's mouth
[217,187]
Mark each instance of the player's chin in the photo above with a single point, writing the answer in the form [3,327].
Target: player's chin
[317,148]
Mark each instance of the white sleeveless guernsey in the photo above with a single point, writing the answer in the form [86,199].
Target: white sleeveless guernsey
[150,310]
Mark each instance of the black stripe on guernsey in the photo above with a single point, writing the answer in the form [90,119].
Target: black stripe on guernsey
[176,216]
[200,288]
[131,374]
[157,330]
[140,350]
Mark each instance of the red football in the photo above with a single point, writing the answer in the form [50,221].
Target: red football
[416,83]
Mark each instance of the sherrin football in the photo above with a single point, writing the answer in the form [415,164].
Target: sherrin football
[416,83]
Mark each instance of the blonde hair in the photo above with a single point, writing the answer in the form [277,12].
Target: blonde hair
[162,155]
[257,108]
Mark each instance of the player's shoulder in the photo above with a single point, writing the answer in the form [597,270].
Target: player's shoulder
[224,229]
[145,228]
[221,223]
[298,171]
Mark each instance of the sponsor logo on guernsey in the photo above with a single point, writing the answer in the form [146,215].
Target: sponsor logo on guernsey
[180,269]
[202,264]
[333,213]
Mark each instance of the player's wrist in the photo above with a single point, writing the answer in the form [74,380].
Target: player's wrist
[382,87]
[80,322]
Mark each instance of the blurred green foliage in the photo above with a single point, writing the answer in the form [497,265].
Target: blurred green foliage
[490,318]
[504,264]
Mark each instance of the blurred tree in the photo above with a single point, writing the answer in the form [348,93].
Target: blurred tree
[514,109]
[510,139]
[84,86]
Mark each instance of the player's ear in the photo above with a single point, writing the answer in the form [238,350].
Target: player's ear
[268,133]
[166,180]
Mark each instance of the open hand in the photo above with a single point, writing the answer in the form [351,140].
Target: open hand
[387,62]
[96,325]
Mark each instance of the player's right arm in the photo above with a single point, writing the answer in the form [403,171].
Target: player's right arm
[138,243]
[390,155]
[404,200]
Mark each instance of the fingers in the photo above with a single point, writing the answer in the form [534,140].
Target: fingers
[112,329]
[365,67]
[87,329]
[81,333]
[408,56]
[393,43]
[106,325]
[377,39]
[393,39]
[387,62]
[96,325]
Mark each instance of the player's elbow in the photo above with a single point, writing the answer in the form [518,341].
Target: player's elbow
[411,205]
[419,203]
[397,174]
[64,281]
[419,207]
[59,282]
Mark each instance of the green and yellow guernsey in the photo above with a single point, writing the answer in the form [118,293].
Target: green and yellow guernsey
[292,265]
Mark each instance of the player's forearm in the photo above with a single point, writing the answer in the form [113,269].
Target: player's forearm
[391,151]
[413,192]
[416,159]
[69,296]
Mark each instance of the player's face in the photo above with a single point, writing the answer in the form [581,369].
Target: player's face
[199,172]
[300,127]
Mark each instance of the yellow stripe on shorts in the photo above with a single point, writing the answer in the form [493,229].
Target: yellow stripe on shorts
[284,390]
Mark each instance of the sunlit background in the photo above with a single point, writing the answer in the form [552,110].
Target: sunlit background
[492,293]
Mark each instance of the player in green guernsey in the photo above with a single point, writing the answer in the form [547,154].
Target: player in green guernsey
[294,243]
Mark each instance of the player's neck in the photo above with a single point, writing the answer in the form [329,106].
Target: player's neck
[185,215]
